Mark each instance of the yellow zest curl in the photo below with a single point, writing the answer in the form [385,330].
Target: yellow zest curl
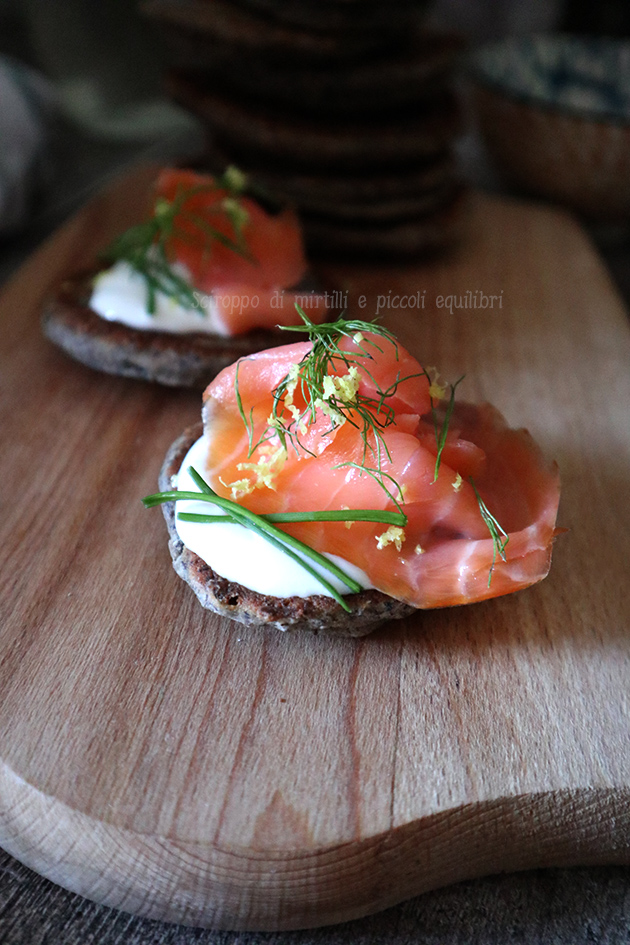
[437,390]
[336,416]
[342,388]
[272,459]
[239,488]
[394,535]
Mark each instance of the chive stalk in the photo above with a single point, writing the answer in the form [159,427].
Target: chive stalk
[262,525]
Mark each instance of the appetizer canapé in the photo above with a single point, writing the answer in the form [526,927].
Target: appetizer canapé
[346,446]
[208,276]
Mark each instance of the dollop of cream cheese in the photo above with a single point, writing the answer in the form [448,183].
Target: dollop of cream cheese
[239,554]
[119,295]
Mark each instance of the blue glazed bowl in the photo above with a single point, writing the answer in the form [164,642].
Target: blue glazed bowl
[555,114]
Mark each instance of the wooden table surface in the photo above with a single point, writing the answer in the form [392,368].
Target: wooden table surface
[516,753]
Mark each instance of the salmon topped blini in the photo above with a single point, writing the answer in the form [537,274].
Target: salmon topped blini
[207,276]
[353,449]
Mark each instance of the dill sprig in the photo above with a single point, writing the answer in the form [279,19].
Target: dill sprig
[441,432]
[368,414]
[382,478]
[263,525]
[499,536]
[146,246]
[323,387]
[248,422]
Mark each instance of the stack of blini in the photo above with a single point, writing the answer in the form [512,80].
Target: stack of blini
[342,108]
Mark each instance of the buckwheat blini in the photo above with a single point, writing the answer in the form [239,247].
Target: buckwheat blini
[338,484]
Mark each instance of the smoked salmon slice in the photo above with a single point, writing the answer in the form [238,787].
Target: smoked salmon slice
[247,259]
[480,498]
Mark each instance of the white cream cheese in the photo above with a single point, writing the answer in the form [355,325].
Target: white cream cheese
[120,295]
[239,554]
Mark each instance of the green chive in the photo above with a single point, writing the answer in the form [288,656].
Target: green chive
[342,515]
[276,537]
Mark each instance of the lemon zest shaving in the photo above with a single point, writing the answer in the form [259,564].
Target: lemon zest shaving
[343,388]
[293,376]
[287,401]
[266,469]
[238,488]
[437,390]
[336,416]
[394,535]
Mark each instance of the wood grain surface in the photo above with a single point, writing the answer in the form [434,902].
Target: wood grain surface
[172,764]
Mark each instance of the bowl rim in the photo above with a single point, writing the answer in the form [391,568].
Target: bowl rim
[532,99]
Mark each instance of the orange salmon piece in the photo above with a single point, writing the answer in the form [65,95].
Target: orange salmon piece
[446,555]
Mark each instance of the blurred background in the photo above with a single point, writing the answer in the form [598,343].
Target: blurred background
[365,115]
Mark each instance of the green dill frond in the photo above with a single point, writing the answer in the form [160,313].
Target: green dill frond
[441,432]
[325,390]
[500,537]
[328,382]
[370,415]
[146,246]
[381,478]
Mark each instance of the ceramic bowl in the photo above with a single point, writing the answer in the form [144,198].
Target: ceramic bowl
[555,113]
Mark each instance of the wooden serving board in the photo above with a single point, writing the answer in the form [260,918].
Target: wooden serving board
[169,763]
